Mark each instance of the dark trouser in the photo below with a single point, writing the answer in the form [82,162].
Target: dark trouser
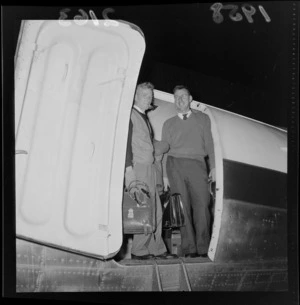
[189,178]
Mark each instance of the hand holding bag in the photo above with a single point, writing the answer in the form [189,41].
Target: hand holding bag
[173,215]
[138,214]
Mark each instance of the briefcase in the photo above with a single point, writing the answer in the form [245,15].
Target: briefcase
[138,211]
[173,214]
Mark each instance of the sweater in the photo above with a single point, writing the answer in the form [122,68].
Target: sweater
[191,138]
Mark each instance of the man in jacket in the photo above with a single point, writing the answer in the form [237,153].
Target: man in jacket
[140,166]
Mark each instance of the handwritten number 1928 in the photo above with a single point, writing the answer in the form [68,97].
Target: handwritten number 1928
[247,9]
[233,13]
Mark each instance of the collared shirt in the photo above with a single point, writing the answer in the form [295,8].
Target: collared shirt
[188,114]
[138,109]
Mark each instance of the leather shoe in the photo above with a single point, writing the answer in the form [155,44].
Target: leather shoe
[142,257]
[191,255]
[166,256]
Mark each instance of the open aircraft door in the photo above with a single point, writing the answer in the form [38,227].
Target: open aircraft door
[74,87]
[250,201]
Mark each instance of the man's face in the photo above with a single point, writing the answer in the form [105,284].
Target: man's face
[143,98]
[182,100]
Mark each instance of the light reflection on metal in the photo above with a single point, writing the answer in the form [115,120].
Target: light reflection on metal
[21,152]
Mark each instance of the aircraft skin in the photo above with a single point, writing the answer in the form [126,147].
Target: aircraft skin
[70,171]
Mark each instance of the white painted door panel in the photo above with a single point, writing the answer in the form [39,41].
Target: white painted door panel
[73,102]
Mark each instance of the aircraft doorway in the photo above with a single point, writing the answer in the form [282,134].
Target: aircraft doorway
[164,109]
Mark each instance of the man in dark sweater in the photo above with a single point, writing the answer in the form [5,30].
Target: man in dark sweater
[188,140]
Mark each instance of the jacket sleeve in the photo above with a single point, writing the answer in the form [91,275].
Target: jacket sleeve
[164,166]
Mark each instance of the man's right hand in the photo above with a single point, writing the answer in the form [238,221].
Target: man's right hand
[160,147]
[166,183]
[129,176]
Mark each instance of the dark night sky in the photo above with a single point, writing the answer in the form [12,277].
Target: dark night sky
[235,65]
[239,66]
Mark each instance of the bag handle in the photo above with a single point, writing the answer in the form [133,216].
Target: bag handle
[139,183]
[139,186]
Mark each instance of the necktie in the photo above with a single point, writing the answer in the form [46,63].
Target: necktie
[185,116]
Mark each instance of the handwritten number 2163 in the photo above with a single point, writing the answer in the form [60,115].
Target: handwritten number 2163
[83,18]
[247,9]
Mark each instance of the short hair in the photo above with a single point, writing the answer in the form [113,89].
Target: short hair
[145,85]
[181,87]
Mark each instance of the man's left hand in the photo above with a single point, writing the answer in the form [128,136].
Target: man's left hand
[212,175]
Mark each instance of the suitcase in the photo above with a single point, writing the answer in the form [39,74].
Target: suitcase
[173,214]
[138,212]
